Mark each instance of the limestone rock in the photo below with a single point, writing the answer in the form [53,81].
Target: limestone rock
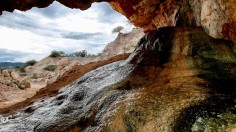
[63,63]
[15,75]
[217,17]
[25,84]
[124,43]
[174,77]
[6,73]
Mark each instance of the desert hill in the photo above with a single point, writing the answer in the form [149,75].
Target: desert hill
[16,86]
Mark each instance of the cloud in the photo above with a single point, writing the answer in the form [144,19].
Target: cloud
[35,33]
[10,55]
[81,35]
[18,21]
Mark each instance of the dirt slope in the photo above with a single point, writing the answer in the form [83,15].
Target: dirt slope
[65,79]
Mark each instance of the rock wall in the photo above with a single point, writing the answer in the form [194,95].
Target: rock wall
[217,17]
[124,43]
[177,80]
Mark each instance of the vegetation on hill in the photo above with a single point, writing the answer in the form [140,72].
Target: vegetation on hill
[50,68]
[27,63]
[30,63]
[82,53]
[56,53]
[117,29]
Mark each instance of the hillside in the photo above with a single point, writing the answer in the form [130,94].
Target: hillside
[162,86]
[64,70]
[124,43]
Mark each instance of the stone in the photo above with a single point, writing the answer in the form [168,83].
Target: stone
[15,75]
[124,43]
[217,17]
[6,73]
[175,76]
[25,84]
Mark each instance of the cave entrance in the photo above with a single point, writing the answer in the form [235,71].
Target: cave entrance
[35,33]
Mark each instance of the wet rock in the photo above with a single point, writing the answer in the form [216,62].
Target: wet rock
[174,78]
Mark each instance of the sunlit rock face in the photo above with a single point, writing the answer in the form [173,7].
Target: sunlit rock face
[217,17]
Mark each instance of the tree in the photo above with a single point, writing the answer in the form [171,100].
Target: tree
[117,29]
[30,63]
[55,53]
[81,53]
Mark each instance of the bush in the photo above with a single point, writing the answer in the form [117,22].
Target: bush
[22,69]
[50,68]
[117,29]
[30,63]
[55,53]
[82,53]
[17,83]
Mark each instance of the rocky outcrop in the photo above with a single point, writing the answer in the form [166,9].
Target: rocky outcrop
[25,84]
[217,17]
[178,79]
[49,69]
[124,43]
[5,73]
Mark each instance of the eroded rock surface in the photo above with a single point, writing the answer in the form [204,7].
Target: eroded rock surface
[217,17]
[176,78]
[124,43]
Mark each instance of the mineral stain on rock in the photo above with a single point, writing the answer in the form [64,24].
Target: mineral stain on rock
[188,85]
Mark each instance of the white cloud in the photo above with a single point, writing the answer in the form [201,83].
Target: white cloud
[39,31]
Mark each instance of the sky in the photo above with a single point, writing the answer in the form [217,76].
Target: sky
[35,33]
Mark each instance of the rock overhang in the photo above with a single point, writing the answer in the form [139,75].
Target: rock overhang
[217,17]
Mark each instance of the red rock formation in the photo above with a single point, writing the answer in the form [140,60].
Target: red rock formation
[217,17]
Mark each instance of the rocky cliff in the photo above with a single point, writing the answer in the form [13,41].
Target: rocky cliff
[181,76]
[124,43]
[178,79]
[217,17]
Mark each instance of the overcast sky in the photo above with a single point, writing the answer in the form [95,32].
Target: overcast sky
[35,33]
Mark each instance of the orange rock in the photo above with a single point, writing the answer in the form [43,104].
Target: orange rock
[217,17]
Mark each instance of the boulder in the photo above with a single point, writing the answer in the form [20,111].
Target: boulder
[15,75]
[6,73]
[25,84]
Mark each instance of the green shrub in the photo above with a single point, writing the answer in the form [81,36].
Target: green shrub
[55,53]
[82,53]
[50,68]
[30,63]
[18,85]
[22,69]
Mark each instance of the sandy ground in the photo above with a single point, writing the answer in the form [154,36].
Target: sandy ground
[17,96]
[24,97]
